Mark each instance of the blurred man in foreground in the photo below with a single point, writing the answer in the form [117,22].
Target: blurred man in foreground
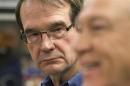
[105,42]
[47,28]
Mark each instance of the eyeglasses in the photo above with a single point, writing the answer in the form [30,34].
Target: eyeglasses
[36,37]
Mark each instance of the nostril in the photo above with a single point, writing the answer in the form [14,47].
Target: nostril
[47,50]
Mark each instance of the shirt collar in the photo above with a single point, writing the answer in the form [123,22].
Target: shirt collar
[74,81]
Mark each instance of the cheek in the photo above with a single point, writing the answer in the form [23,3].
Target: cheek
[116,47]
[34,51]
[69,52]
[115,52]
[66,46]
[72,38]
[113,44]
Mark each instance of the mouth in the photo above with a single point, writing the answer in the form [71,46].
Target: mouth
[91,68]
[50,60]
[90,63]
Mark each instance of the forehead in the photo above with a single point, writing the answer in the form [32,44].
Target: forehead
[34,7]
[108,8]
[34,12]
[96,7]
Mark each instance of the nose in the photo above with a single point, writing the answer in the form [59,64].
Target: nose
[84,44]
[46,44]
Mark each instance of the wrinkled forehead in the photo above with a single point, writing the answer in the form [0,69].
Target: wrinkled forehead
[38,7]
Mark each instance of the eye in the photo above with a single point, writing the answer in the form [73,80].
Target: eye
[98,25]
[33,37]
[57,32]
[33,34]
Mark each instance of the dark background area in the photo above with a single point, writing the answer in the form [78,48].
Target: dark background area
[16,66]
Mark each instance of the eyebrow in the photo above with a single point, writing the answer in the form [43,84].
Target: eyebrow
[30,30]
[92,19]
[49,26]
[96,18]
[56,24]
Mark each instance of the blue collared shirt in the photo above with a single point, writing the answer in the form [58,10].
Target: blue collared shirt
[74,81]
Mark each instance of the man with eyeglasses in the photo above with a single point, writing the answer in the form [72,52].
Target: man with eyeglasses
[47,27]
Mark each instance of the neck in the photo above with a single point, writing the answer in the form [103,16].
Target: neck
[60,78]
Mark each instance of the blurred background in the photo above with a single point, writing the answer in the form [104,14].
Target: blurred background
[16,66]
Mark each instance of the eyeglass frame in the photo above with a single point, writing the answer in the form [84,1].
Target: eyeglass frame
[24,37]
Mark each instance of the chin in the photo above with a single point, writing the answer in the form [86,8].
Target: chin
[51,72]
[53,69]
